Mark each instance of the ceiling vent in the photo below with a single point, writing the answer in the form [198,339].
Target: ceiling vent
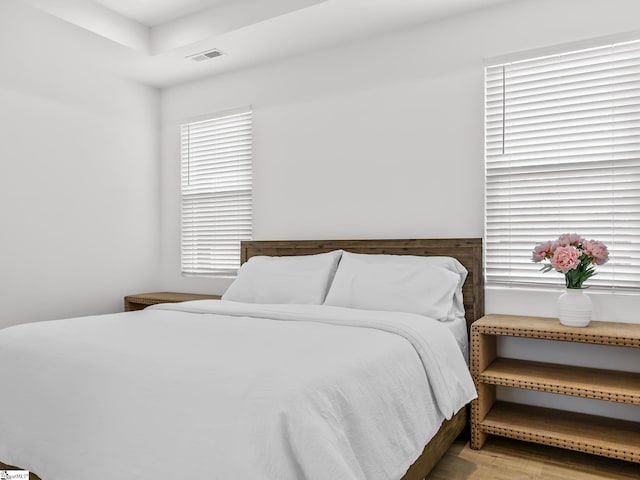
[208,55]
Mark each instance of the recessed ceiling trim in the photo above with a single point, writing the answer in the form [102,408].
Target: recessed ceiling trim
[220,19]
[156,12]
[255,31]
[99,20]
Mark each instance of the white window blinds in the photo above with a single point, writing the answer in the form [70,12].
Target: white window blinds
[562,155]
[216,193]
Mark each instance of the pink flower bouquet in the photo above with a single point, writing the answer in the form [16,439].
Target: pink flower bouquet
[572,256]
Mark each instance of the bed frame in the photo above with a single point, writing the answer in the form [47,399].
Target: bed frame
[468,251]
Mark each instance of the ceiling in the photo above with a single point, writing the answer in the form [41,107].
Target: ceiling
[154,12]
[149,40]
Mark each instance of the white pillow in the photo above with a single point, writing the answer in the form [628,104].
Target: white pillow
[450,263]
[405,283]
[301,279]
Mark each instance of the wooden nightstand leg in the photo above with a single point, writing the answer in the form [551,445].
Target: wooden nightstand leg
[479,410]
[483,352]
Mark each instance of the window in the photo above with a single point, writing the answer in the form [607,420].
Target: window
[216,192]
[562,155]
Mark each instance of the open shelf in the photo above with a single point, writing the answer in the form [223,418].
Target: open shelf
[601,333]
[610,385]
[574,431]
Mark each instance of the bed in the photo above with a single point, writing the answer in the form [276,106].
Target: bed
[122,391]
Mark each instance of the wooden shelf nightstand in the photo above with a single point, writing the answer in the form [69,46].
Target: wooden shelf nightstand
[142,300]
[585,433]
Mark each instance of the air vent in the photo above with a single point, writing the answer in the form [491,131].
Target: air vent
[202,56]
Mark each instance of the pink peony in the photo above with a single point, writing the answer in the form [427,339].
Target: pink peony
[573,256]
[598,251]
[565,258]
[572,239]
[542,251]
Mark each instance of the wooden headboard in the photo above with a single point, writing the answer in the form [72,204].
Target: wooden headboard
[468,251]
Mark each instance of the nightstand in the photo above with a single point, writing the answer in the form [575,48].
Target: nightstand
[574,431]
[142,300]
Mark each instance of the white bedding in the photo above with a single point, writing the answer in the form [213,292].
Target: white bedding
[458,327]
[224,390]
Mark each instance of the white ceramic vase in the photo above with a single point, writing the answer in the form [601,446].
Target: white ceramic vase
[574,308]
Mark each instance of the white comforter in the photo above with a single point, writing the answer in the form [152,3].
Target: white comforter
[222,390]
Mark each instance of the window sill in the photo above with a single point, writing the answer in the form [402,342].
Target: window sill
[559,289]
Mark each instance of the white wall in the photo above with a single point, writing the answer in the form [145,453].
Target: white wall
[79,181]
[384,138]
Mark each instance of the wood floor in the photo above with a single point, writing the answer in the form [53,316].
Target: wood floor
[504,459]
